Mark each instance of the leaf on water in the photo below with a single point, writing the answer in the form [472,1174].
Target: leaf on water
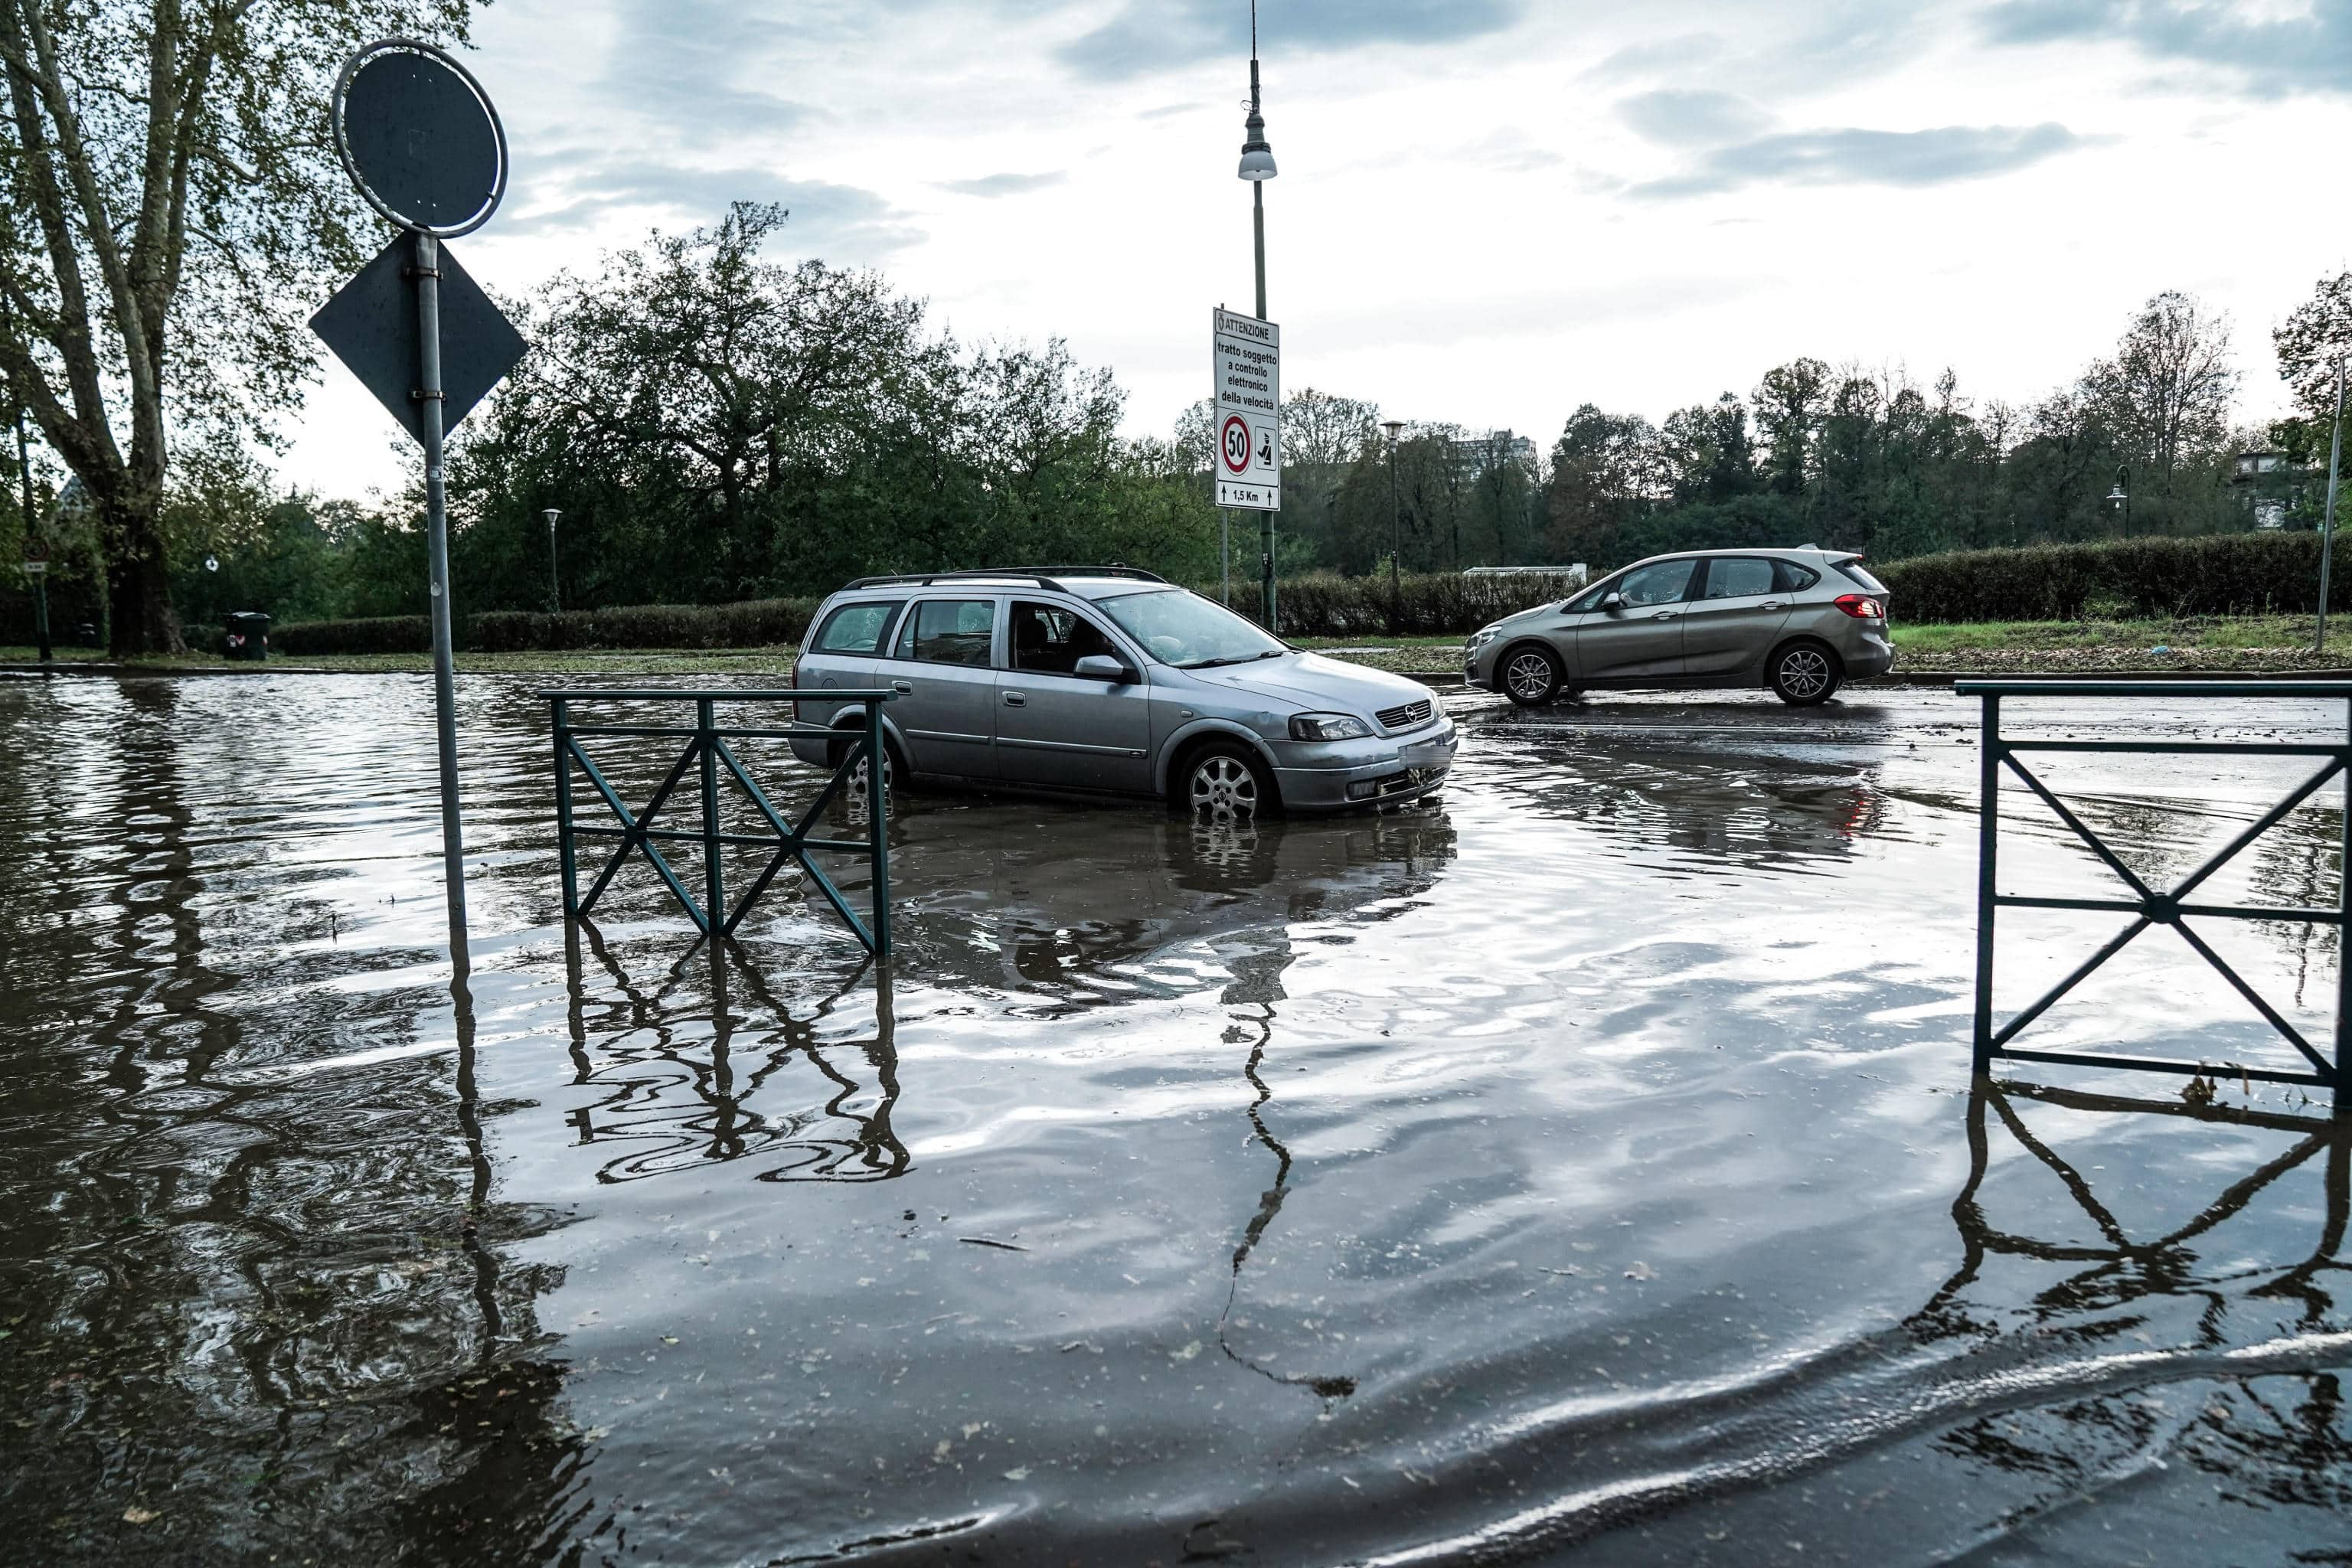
[1640,1270]
[134,1514]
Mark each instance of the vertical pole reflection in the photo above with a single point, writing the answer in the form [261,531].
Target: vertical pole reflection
[1269,1204]
[478,1192]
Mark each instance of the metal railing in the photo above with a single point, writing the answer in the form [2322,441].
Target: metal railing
[708,753]
[2147,906]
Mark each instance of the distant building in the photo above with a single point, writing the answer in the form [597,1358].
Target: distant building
[2269,484]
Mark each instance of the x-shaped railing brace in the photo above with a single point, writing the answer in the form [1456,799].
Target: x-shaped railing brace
[2171,909]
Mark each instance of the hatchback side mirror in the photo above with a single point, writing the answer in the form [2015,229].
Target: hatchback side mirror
[1102,667]
[1614,603]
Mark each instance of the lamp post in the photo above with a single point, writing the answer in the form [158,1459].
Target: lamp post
[2120,497]
[1395,428]
[2327,523]
[554,584]
[1257,168]
[36,554]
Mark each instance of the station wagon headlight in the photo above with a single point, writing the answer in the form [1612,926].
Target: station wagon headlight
[1327,727]
[1480,638]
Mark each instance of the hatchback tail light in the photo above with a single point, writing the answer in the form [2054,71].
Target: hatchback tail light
[1861,606]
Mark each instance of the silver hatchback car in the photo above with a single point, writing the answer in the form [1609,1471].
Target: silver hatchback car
[1801,622]
[1106,680]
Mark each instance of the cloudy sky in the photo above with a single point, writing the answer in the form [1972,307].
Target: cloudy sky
[1489,211]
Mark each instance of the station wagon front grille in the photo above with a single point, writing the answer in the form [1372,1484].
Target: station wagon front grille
[1409,716]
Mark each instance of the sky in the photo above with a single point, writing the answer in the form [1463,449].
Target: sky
[1488,211]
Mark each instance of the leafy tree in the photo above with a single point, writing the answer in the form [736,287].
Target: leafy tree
[2167,391]
[171,210]
[1790,401]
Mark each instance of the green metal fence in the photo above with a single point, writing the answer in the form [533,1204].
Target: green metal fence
[707,753]
[2149,908]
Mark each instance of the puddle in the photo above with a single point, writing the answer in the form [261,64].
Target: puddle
[1585,1169]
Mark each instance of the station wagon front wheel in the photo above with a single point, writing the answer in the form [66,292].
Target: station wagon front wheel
[1223,783]
[1530,676]
[1806,673]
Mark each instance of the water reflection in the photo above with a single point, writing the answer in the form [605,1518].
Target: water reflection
[2117,1270]
[674,1095]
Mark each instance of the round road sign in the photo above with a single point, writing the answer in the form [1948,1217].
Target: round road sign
[419,138]
[1234,441]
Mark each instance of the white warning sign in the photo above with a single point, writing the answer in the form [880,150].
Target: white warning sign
[1247,354]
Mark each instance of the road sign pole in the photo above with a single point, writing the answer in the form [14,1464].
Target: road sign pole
[1225,550]
[2327,522]
[427,272]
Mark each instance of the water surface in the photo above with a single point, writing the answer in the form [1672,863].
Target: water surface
[1586,1169]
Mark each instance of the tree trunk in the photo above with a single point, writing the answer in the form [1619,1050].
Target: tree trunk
[137,589]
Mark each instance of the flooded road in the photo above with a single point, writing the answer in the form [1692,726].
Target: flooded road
[1585,1169]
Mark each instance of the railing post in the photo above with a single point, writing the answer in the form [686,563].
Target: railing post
[1988,855]
[877,795]
[2343,1090]
[714,883]
[568,847]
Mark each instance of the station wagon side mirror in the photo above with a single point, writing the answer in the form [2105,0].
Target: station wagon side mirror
[1613,604]
[1102,667]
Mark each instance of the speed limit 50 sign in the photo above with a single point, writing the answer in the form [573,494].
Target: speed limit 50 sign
[1247,355]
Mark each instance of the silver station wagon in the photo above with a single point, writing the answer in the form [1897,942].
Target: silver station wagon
[1801,622]
[1105,680]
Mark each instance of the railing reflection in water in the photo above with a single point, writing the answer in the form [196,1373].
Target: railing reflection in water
[676,1103]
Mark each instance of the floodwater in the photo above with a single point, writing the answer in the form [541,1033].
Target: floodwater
[1586,1169]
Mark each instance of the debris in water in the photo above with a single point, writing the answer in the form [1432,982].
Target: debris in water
[984,1241]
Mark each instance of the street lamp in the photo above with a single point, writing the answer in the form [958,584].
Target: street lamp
[1257,168]
[1395,428]
[2120,497]
[554,584]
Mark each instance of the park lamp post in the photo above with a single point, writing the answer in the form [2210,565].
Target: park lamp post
[1257,168]
[2120,497]
[555,583]
[1394,427]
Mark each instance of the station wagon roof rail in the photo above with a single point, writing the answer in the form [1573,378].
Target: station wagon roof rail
[1043,577]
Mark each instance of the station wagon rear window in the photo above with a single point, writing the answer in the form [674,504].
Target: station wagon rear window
[855,628]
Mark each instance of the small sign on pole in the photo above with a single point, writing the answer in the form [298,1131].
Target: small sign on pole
[1246,355]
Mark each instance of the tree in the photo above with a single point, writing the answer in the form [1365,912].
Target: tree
[2166,393]
[2313,342]
[172,209]
[1790,401]
[1605,472]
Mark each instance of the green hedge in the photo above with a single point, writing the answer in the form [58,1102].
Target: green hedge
[385,634]
[757,623]
[1431,604]
[2212,574]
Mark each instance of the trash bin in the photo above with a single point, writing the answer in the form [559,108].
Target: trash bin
[247,636]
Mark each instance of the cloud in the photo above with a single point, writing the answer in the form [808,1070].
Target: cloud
[990,186]
[1685,118]
[2264,56]
[696,67]
[1149,36]
[1852,156]
[843,224]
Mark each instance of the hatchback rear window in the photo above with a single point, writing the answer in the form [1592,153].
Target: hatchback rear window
[855,628]
[1788,577]
[1854,571]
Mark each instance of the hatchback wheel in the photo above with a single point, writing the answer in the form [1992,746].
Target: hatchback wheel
[1806,673]
[1222,783]
[1531,676]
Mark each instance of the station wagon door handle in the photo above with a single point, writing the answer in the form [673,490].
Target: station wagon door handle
[1016,699]
[1666,615]
[905,686]
[1771,604]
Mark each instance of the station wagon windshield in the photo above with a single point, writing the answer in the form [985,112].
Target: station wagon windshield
[1188,631]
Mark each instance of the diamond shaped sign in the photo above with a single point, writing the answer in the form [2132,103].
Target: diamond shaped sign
[371,323]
